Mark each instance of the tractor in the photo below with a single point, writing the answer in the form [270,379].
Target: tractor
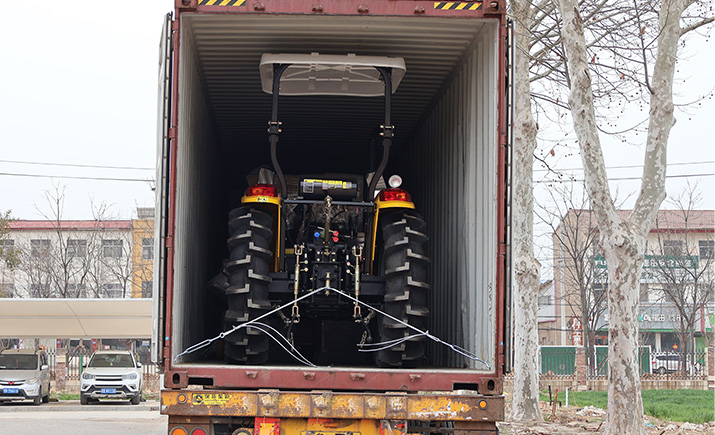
[294,234]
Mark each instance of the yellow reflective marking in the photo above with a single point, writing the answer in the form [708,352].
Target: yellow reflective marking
[374,238]
[260,198]
[461,6]
[276,252]
[394,204]
[222,2]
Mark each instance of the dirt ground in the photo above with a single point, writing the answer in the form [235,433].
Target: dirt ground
[571,420]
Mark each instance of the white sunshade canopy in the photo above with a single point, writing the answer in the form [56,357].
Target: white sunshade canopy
[75,318]
[321,74]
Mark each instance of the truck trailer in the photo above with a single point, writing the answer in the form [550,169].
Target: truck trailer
[341,265]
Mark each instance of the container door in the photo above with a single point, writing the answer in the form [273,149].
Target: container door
[508,321]
[162,189]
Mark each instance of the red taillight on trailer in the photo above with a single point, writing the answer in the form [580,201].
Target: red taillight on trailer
[198,431]
[395,195]
[261,190]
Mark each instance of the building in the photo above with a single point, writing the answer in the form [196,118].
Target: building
[676,284]
[549,329]
[79,258]
[143,253]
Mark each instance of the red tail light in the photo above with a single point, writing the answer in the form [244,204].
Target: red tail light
[395,195]
[261,190]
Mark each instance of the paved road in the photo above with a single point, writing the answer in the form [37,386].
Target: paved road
[69,418]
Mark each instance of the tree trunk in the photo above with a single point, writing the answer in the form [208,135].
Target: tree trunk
[624,251]
[586,330]
[525,399]
[623,241]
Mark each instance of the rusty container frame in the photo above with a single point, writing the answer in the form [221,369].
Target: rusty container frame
[350,379]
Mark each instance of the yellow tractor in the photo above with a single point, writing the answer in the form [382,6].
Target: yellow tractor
[354,237]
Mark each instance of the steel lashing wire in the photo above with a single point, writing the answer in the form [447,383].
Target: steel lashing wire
[386,344]
[292,352]
[222,335]
[454,347]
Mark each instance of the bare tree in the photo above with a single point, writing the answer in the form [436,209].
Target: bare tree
[623,240]
[536,39]
[117,261]
[49,264]
[9,257]
[86,261]
[682,262]
[581,280]
[525,398]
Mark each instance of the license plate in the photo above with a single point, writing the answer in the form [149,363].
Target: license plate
[109,391]
[10,390]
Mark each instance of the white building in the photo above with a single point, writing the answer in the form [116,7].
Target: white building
[70,259]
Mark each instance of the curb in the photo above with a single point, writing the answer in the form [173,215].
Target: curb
[74,406]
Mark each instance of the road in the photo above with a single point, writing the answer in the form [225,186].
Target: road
[69,418]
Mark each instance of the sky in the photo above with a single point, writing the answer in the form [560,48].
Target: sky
[78,86]
[691,148]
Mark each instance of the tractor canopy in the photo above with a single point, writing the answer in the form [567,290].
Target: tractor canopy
[327,74]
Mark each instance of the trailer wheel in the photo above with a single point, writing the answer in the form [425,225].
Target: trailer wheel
[250,235]
[404,265]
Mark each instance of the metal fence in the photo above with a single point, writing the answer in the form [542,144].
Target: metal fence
[601,369]
[677,365]
[560,362]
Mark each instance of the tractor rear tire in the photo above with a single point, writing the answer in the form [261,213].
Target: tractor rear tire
[248,267]
[404,264]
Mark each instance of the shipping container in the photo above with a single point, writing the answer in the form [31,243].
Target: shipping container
[450,147]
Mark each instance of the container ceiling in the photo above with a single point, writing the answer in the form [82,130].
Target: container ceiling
[320,129]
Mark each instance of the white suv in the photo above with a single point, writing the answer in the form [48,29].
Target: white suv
[111,375]
[24,375]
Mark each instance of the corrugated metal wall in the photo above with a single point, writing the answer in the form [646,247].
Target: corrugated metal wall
[446,116]
[457,147]
[196,184]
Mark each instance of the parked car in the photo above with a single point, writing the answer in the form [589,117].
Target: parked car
[111,375]
[671,363]
[24,375]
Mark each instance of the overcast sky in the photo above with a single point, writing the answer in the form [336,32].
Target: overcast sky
[79,83]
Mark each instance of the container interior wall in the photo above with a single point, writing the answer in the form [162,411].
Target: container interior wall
[456,146]
[447,154]
[200,216]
